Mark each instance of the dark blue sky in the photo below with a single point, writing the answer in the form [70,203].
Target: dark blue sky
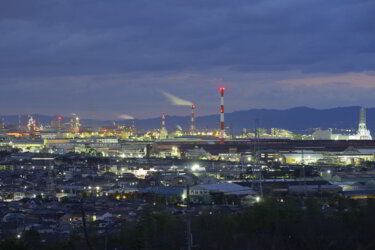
[103,58]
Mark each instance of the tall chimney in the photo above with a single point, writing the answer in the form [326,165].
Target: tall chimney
[163,129]
[162,122]
[193,124]
[222,131]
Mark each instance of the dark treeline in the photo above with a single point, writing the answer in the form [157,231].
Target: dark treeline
[271,224]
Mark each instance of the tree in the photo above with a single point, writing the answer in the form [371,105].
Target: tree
[12,245]
[32,239]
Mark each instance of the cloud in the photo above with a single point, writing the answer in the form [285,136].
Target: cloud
[131,93]
[95,56]
[359,80]
[94,37]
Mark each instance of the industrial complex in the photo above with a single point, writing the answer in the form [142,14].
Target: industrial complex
[121,170]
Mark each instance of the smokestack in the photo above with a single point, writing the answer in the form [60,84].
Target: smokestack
[193,124]
[163,129]
[162,122]
[222,132]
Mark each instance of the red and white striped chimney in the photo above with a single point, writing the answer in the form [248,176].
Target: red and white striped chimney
[193,124]
[222,131]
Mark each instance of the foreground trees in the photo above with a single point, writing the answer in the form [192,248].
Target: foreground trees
[270,224]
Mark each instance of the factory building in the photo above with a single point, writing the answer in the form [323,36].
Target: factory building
[362,132]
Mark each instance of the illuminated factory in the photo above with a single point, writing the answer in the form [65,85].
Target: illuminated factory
[210,144]
[75,124]
[362,132]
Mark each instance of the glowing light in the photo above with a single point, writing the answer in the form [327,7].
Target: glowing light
[257,199]
[196,167]
[140,173]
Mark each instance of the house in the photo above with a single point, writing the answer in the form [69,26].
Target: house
[219,193]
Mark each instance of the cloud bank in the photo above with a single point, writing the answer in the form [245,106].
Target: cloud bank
[94,55]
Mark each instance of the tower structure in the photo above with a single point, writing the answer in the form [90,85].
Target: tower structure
[362,119]
[193,123]
[163,129]
[75,124]
[222,129]
[363,133]
[31,124]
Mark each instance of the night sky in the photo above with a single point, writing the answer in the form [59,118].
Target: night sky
[105,58]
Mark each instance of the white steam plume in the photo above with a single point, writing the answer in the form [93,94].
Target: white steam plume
[125,117]
[174,100]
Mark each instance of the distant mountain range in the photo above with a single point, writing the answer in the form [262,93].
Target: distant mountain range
[294,119]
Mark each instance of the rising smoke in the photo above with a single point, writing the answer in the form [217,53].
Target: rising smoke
[174,100]
[125,117]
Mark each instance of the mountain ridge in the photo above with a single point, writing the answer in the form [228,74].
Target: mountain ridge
[294,119]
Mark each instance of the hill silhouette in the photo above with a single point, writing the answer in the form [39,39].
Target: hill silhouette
[294,119]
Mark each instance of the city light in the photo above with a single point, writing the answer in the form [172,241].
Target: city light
[243,131]
[183,196]
[195,167]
